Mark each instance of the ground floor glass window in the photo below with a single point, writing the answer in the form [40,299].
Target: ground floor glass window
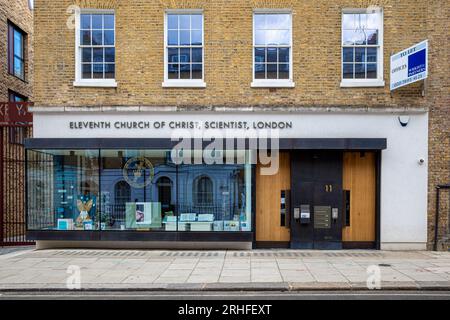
[129,190]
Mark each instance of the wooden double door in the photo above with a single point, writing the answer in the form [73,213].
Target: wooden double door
[317,200]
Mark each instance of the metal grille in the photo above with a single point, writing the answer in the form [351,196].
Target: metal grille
[12,185]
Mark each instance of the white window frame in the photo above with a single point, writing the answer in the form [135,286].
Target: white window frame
[273,83]
[355,83]
[183,83]
[79,81]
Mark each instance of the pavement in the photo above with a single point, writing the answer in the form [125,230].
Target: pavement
[222,271]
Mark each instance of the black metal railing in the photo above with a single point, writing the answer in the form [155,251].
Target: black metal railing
[438,232]
[15,126]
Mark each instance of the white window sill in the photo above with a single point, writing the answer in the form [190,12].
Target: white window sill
[100,83]
[361,83]
[273,84]
[184,84]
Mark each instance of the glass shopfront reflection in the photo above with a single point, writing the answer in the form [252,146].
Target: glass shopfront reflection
[62,189]
[214,197]
[135,190]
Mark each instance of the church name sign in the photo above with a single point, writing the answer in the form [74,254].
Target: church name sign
[190,125]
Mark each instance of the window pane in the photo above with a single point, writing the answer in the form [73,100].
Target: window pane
[85,21]
[98,54]
[185,71]
[173,38]
[98,70]
[197,55]
[372,37]
[86,71]
[97,21]
[285,37]
[13,97]
[173,71]
[283,54]
[109,37]
[371,71]
[371,54]
[196,21]
[110,54]
[85,38]
[197,71]
[278,37]
[64,188]
[109,71]
[18,68]
[108,21]
[347,72]
[185,21]
[97,38]
[373,21]
[260,55]
[347,54]
[260,21]
[197,38]
[260,37]
[215,198]
[172,21]
[278,21]
[86,55]
[283,71]
[352,37]
[361,21]
[185,38]
[172,55]
[140,185]
[18,44]
[260,71]
[348,21]
[185,55]
[271,54]
[360,71]
[360,54]
[272,71]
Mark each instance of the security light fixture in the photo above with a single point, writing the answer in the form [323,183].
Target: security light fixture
[404,120]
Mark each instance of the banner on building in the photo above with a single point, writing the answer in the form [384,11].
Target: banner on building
[409,65]
[15,114]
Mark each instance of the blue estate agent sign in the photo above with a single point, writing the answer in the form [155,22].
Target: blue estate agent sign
[410,65]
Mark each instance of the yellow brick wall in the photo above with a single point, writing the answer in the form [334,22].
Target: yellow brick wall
[228,54]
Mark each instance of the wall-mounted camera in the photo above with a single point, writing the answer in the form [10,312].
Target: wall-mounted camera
[421,161]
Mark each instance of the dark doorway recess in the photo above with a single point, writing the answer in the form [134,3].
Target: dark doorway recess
[317,189]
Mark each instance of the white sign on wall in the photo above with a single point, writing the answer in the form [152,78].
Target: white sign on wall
[410,65]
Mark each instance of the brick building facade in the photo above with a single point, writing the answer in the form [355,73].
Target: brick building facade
[316,67]
[19,14]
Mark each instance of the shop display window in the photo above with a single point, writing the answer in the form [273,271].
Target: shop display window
[136,190]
